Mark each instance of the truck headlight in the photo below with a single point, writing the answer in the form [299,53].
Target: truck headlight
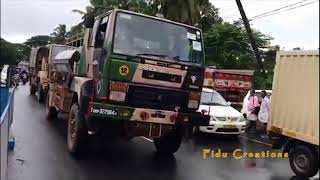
[194,98]
[118,91]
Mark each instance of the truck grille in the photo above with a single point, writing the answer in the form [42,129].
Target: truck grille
[161,76]
[146,97]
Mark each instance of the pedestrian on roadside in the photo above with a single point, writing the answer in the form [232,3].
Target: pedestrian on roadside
[263,115]
[253,108]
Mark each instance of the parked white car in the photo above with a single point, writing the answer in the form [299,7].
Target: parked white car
[224,119]
[245,103]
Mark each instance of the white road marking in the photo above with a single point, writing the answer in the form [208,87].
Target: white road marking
[150,140]
[260,142]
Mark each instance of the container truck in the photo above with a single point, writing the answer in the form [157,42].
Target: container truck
[294,115]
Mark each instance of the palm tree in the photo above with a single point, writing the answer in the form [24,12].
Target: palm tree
[184,11]
[59,34]
[89,11]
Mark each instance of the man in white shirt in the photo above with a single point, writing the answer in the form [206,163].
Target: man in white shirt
[263,115]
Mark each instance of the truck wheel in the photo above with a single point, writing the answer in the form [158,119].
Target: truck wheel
[52,112]
[76,130]
[168,143]
[32,90]
[40,94]
[303,161]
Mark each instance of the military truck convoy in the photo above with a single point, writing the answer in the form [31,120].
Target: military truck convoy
[129,75]
[40,67]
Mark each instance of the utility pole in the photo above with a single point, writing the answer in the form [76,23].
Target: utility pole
[251,38]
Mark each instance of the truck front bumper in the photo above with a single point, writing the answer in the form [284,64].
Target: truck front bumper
[124,113]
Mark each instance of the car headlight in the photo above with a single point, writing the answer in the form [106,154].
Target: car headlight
[242,119]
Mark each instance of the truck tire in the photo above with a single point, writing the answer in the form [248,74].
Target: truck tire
[32,90]
[52,112]
[303,161]
[77,133]
[40,94]
[169,143]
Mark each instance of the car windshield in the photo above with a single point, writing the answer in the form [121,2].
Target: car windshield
[137,35]
[212,98]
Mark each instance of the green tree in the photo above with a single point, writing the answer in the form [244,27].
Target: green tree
[22,52]
[12,53]
[208,16]
[75,30]
[59,34]
[39,40]
[200,13]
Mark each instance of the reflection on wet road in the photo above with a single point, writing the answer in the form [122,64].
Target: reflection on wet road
[41,154]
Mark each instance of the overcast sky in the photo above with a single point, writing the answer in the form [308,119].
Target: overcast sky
[21,19]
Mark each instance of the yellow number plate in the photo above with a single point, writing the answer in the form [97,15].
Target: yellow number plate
[229,126]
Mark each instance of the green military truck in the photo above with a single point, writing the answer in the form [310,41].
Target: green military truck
[133,75]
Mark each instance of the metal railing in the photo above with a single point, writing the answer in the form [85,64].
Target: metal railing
[6,119]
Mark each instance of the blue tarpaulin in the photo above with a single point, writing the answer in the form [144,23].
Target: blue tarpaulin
[4,94]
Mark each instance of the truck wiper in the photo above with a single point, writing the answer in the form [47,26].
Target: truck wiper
[161,56]
[164,58]
[150,54]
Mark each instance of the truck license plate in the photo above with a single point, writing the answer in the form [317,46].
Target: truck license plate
[229,126]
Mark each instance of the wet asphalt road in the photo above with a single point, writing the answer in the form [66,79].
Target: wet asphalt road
[41,154]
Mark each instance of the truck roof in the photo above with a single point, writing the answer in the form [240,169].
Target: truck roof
[152,17]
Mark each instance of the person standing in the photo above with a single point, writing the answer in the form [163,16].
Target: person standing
[263,115]
[253,108]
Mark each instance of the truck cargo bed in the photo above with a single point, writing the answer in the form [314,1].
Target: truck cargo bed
[295,96]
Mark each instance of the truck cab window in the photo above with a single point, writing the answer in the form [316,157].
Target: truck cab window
[101,32]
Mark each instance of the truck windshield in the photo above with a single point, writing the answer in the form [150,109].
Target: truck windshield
[137,35]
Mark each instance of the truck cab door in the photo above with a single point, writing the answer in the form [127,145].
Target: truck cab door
[97,44]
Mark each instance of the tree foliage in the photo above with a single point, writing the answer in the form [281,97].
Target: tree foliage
[59,34]
[12,53]
[193,12]
[39,40]
[7,53]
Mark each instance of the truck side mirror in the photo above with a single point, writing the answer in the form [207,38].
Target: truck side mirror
[89,21]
